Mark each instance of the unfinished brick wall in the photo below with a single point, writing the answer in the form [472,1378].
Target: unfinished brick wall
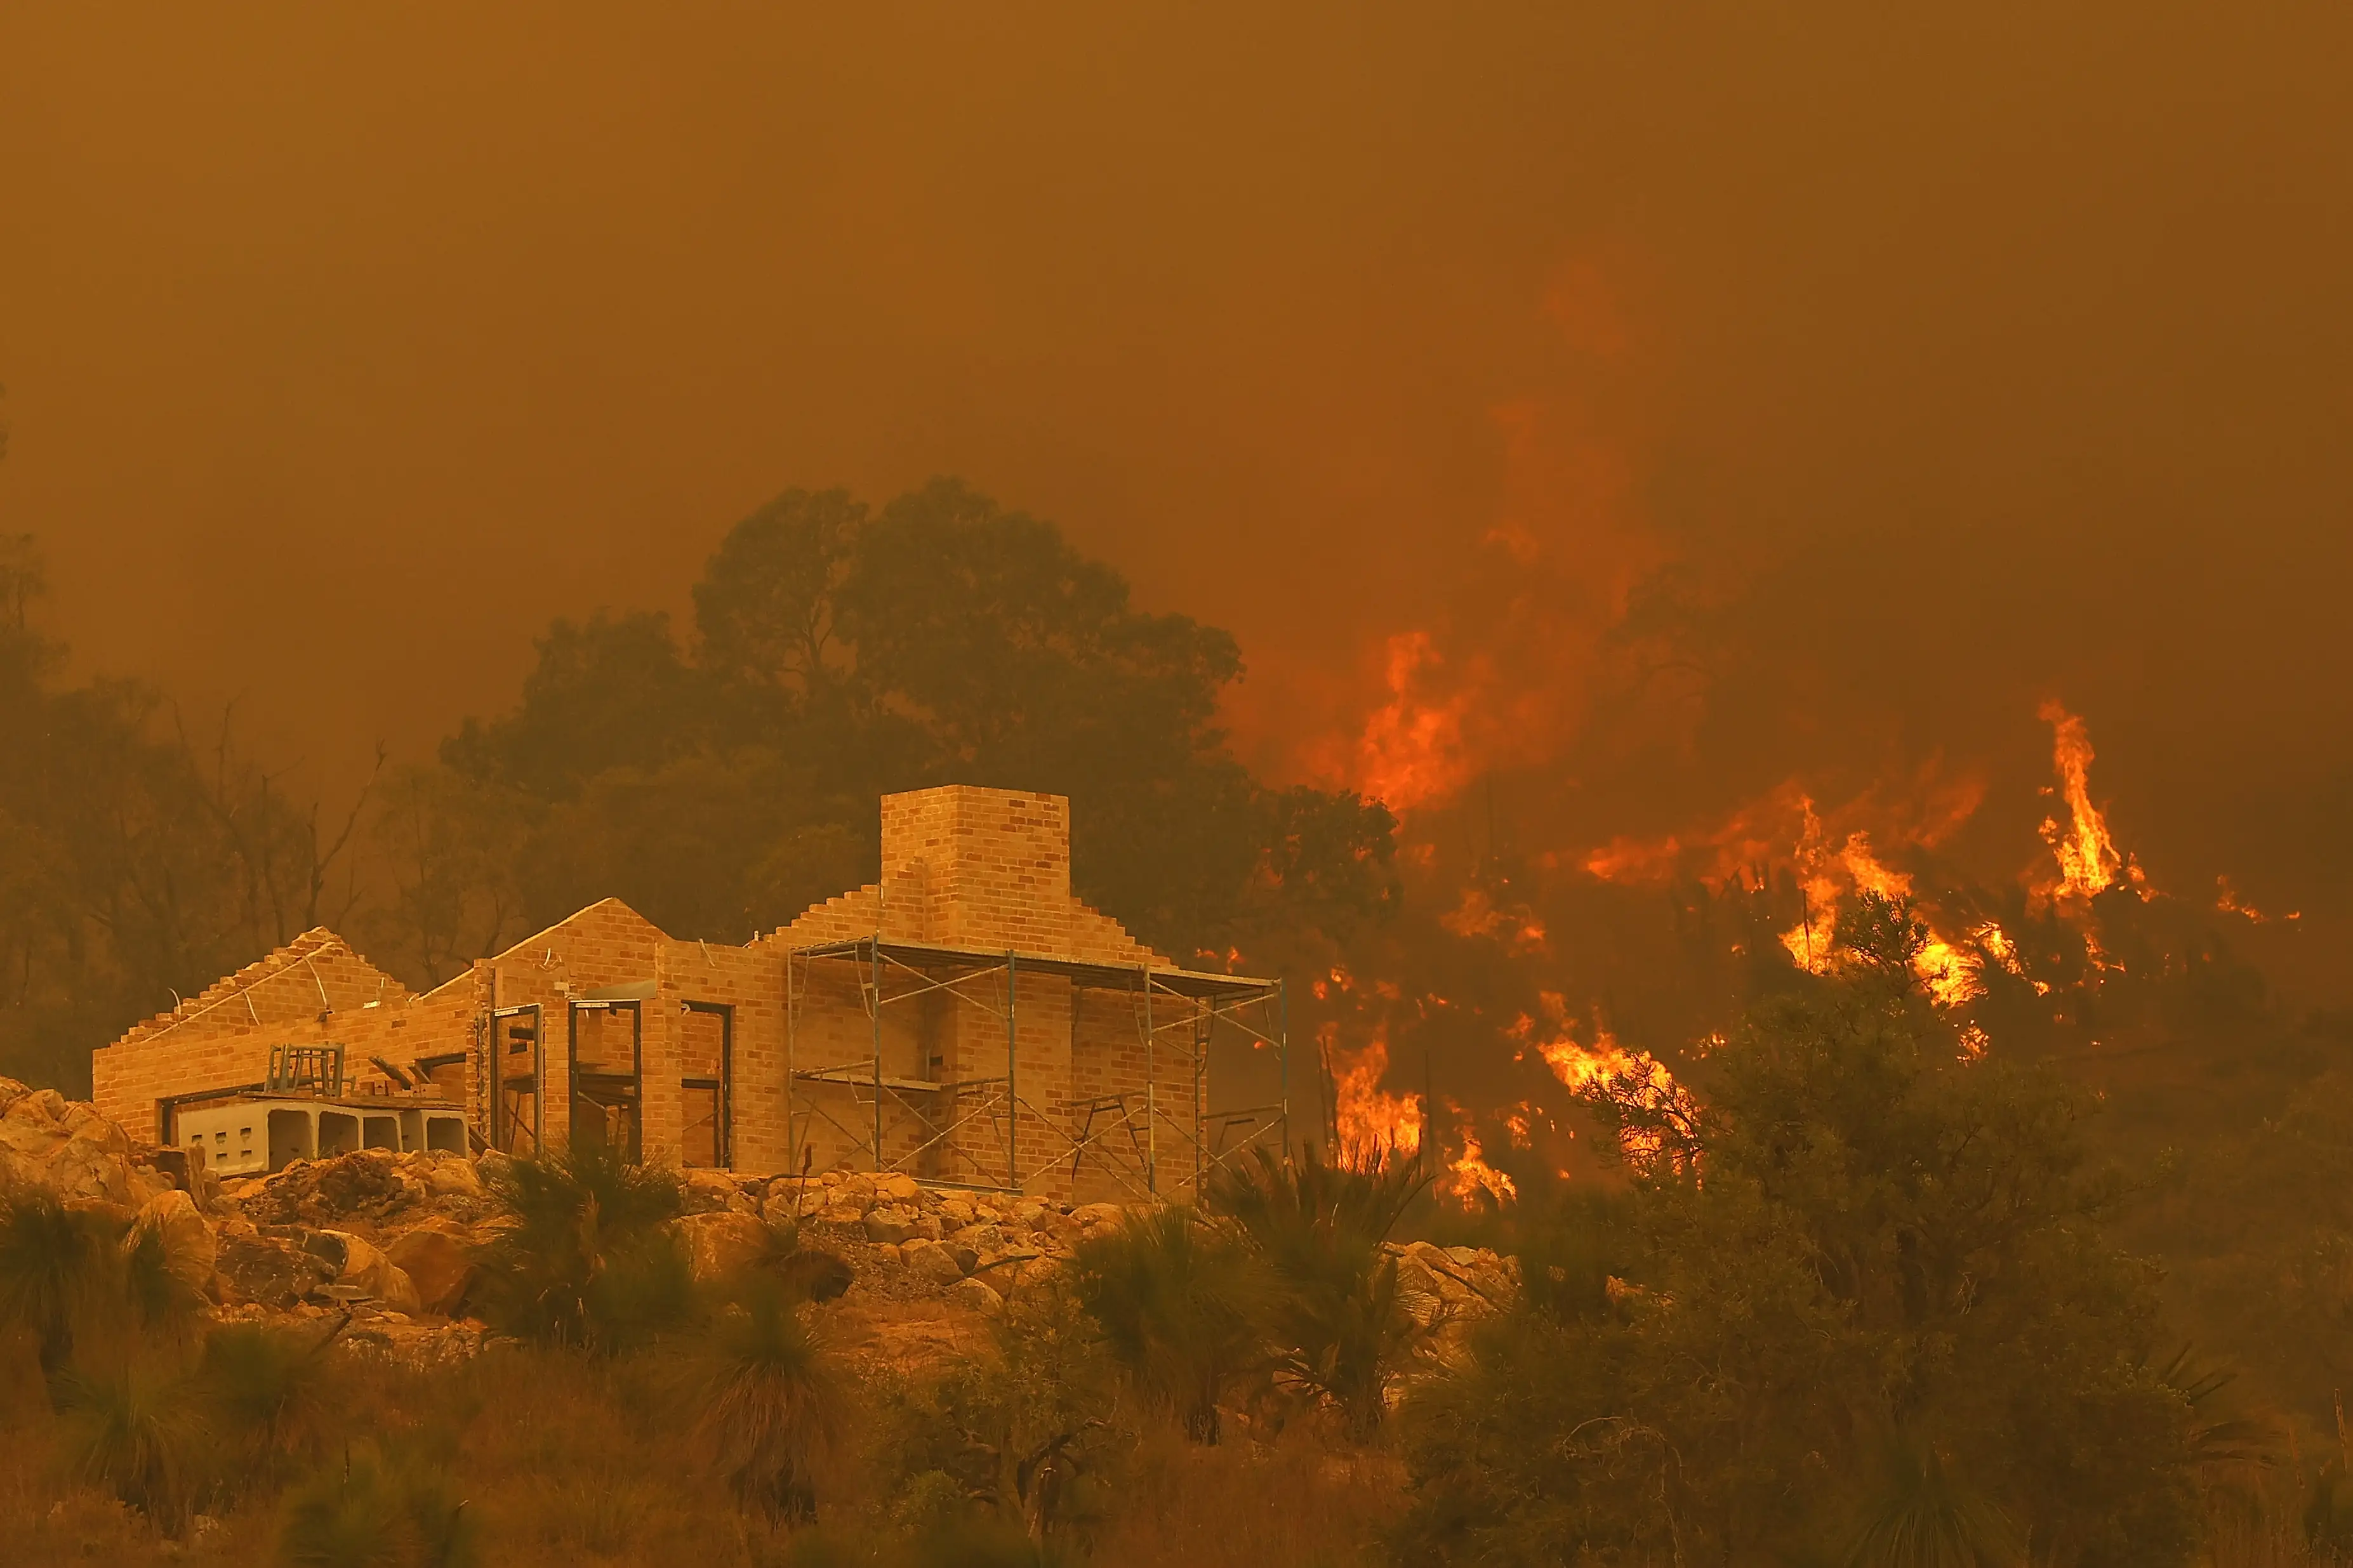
[313,991]
[961,867]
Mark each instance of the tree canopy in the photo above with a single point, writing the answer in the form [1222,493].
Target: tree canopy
[723,783]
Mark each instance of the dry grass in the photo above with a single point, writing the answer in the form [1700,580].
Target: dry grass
[1304,1501]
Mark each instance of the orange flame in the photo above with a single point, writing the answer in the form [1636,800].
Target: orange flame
[1950,973]
[1472,1175]
[2089,862]
[1367,1114]
[1412,750]
[2227,900]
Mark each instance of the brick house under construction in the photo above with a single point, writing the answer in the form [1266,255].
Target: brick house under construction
[963,1019]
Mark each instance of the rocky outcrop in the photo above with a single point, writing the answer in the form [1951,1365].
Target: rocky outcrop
[48,1140]
[390,1241]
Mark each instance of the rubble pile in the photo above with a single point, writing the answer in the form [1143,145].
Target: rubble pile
[389,1240]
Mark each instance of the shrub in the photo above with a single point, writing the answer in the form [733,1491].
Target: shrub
[771,1400]
[1178,1300]
[587,1261]
[1028,1433]
[57,1268]
[367,1511]
[136,1432]
[1335,1315]
[272,1394]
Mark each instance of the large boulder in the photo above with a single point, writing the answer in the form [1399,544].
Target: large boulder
[362,1270]
[975,1295]
[272,1271]
[454,1177]
[929,1263]
[189,1249]
[722,1242]
[889,1225]
[437,1256]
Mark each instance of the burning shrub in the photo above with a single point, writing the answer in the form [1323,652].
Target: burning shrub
[1872,1236]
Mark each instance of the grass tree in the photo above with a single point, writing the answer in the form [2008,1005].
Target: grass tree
[1179,1300]
[367,1510]
[771,1400]
[587,1260]
[273,1394]
[59,1268]
[1335,1315]
[137,1432]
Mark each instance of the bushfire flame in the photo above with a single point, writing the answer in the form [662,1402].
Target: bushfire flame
[2089,862]
[1366,1114]
[1471,1175]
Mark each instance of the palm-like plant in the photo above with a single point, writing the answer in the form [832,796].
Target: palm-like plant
[366,1512]
[1178,1300]
[1337,1317]
[805,1273]
[57,1266]
[586,1260]
[165,1292]
[771,1399]
[272,1393]
[137,1433]
[1922,1516]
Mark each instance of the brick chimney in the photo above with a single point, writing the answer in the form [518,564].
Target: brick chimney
[989,868]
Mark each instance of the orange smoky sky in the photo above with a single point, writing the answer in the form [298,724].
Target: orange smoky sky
[1965,358]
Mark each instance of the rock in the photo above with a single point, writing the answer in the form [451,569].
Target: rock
[271,1271]
[189,1250]
[955,1213]
[897,1186]
[453,1178]
[362,1267]
[927,1225]
[721,1242]
[83,1167]
[439,1258]
[929,1263]
[889,1225]
[778,1208]
[967,1256]
[1091,1217]
[707,1190]
[975,1295]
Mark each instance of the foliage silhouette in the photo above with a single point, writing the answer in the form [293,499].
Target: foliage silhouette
[1336,1314]
[587,1262]
[1179,1301]
[137,1431]
[771,1401]
[365,1510]
[58,1267]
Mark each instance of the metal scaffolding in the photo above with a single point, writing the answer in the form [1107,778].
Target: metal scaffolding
[1176,1010]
